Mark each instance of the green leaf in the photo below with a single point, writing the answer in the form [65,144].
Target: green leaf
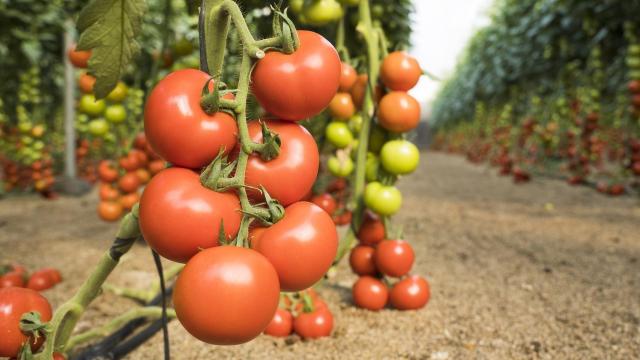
[109,28]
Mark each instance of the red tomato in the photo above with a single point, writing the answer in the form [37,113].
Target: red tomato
[317,303]
[156,166]
[54,274]
[128,200]
[348,77]
[13,303]
[344,218]
[282,82]
[226,295]
[394,257]
[291,175]
[341,106]
[79,58]
[179,216]
[110,210]
[108,192]
[306,231]
[129,182]
[400,71]
[362,261]
[176,126]
[337,185]
[58,356]
[107,171]
[371,231]
[411,293]
[140,142]
[326,202]
[140,156]
[40,281]
[398,112]
[143,175]
[281,325]
[314,325]
[129,162]
[13,278]
[370,293]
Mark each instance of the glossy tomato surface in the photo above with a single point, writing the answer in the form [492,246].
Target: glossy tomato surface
[410,293]
[400,71]
[326,202]
[281,325]
[14,302]
[226,295]
[306,231]
[370,293]
[179,216]
[314,325]
[398,112]
[394,257]
[361,260]
[299,85]
[176,126]
[371,231]
[290,176]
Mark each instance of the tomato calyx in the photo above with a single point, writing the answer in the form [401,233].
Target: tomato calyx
[210,101]
[284,28]
[32,325]
[217,175]
[269,149]
[276,210]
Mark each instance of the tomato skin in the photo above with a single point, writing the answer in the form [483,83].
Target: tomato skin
[411,293]
[326,202]
[156,166]
[361,260]
[371,231]
[340,167]
[129,182]
[306,231]
[400,71]
[179,216]
[91,106]
[370,293]
[385,200]
[58,356]
[348,77]
[143,175]
[339,134]
[115,113]
[290,176]
[341,106]
[107,171]
[79,58]
[344,218]
[119,93]
[40,281]
[281,81]
[12,279]
[54,274]
[108,192]
[14,302]
[86,82]
[394,257]
[313,325]
[128,200]
[281,325]
[399,157]
[178,129]
[110,210]
[398,112]
[226,295]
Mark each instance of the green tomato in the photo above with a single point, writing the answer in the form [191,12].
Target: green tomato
[182,47]
[385,200]
[371,167]
[90,106]
[399,157]
[115,113]
[377,11]
[26,140]
[119,93]
[338,134]
[296,6]
[82,128]
[377,138]
[322,12]
[38,145]
[25,126]
[98,127]
[339,168]
[355,123]
[371,192]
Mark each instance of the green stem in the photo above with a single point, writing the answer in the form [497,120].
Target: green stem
[145,296]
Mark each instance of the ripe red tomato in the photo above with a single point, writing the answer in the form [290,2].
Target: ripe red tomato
[281,82]
[140,156]
[179,216]
[344,218]
[341,106]
[226,295]
[362,261]
[410,293]
[394,257]
[13,278]
[370,293]
[143,175]
[371,231]
[290,176]
[13,303]
[281,325]
[358,90]
[400,71]
[108,192]
[129,162]
[79,58]
[40,281]
[107,171]
[326,202]
[54,274]
[348,77]
[129,182]
[398,112]
[140,142]
[178,129]
[128,200]
[313,325]
[156,166]
[58,356]
[110,210]
[306,231]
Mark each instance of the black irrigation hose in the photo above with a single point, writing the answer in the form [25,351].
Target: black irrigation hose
[163,293]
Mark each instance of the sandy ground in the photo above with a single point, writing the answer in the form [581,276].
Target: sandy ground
[540,271]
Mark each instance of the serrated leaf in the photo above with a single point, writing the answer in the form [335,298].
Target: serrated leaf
[109,28]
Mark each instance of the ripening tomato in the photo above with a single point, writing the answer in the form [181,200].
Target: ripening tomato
[282,82]
[341,106]
[359,89]
[143,175]
[40,281]
[86,82]
[177,127]
[326,202]
[108,192]
[79,58]
[290,176]
[119,93]
[338,134]
[370,293]
[129,182]
[410,293]
[91,106]
[400,71]
[156,166]
[140,142]
[361,260]
[128,200]
[281,325]
[372,230]
[58,356]
[14,302]
[313,325]
[394,257]
[107,171]
[348,77]
[340,167]
[398,112]
[226,295]
[400,157]
[12,279]
[179,216]
[306,231]
[110,210]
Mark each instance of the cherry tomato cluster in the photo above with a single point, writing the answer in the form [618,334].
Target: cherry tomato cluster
[302,313]
[17,276]
[334,201]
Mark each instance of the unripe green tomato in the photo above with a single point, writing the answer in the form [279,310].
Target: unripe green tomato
[110,138]
[371,167]
[634,50]
[339,168]
[90,106]
[82,128]
[634,74]
[399,157]
[355,123]
[119,93]
[98,127]
[115,113]
[38,145]
[386,201]
[633,61]
[296,5]
[371,192]
[26,140]
[182,47]
[82,119]
[338,134]
[321,12]
[35,156]
[377,139]
[25,126]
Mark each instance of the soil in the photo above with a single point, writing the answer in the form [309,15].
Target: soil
[535,271]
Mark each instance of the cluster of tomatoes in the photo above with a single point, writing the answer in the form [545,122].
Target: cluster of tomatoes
[185,221]
[121,181]
[38,176]
[302,313]
[17,276]
[334,201]
[375,260]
